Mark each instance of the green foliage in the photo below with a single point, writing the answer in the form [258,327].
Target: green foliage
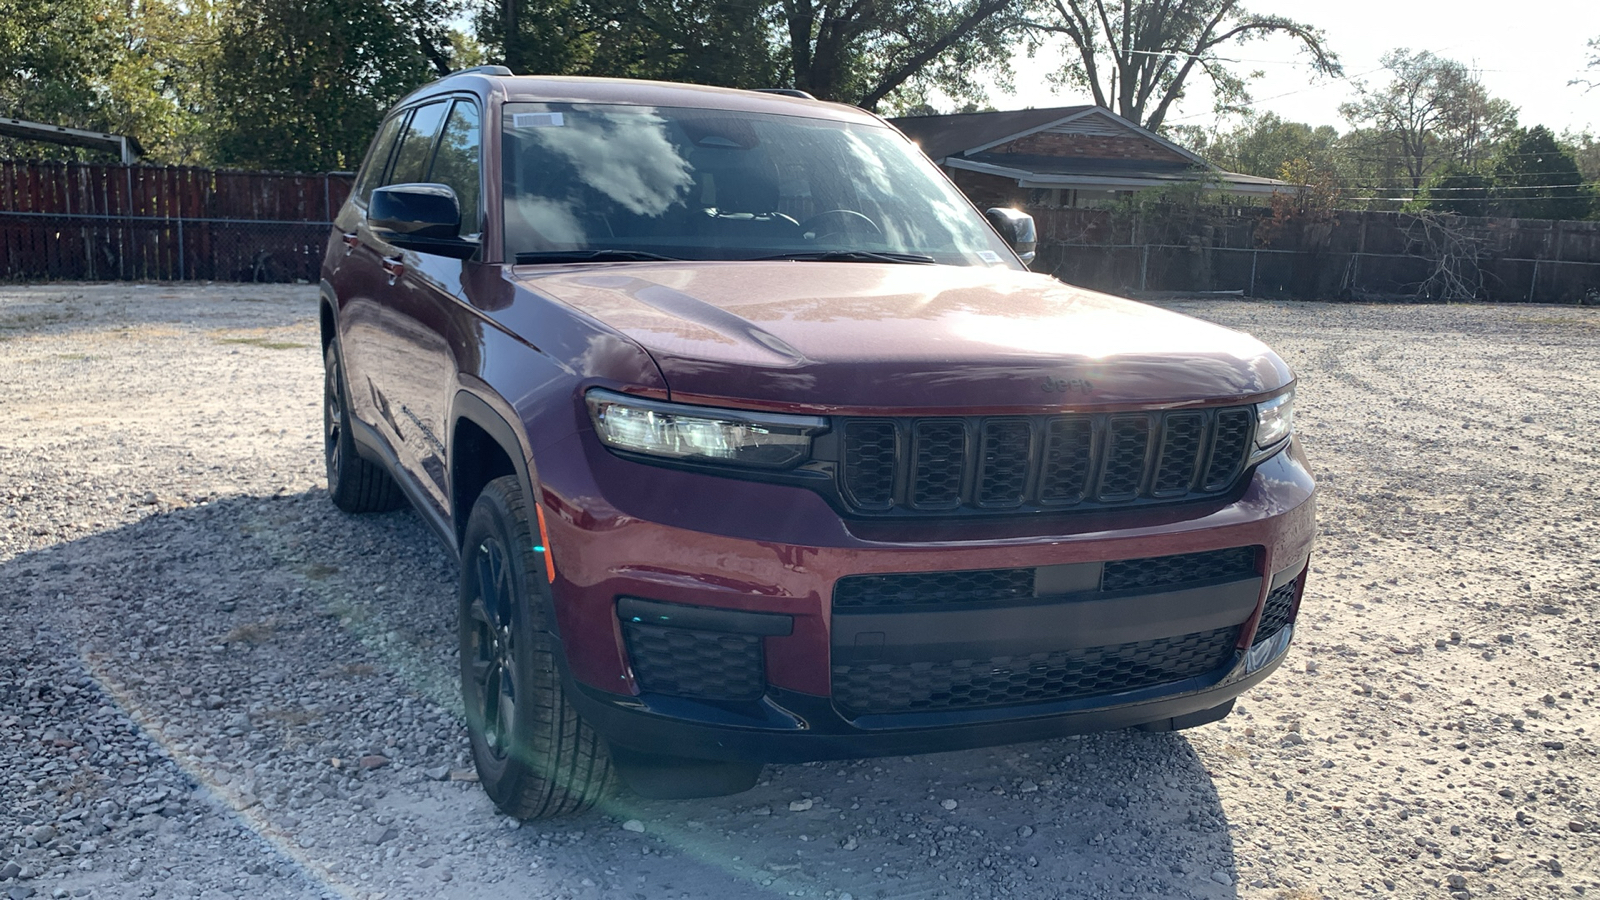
[1454,189]
[1433,111]
[674,40]
[54,55]
[1137,56]
[1536,178]
[305,82]
[1263,144]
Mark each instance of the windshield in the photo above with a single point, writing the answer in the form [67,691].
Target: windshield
[610,182]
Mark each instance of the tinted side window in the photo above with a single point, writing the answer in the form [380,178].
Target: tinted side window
[416,146]
[456,163]
[377,158]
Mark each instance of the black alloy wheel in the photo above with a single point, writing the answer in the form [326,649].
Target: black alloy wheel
[535,757]
[355,484]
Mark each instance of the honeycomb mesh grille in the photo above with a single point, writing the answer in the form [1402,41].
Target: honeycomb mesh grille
[1276,614]
[932,589]
[1180,453]
[1040,463]
[1068,458]
[941,453]
[1184,568]
[1126,443]
[1005,446]
[1229,448]
[869,461]
[1034,678]
[706,665]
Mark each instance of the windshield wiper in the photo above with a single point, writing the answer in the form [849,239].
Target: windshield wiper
[852,256]
[566,256]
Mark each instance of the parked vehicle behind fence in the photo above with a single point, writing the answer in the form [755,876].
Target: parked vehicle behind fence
[757,442]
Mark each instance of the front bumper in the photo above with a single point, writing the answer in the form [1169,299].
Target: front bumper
[774,554]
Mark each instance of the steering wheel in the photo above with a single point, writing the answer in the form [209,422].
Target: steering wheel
[838,221]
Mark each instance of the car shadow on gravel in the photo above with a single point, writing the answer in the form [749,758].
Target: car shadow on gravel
[289,673]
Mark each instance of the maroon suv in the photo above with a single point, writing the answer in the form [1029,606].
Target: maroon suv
[757,442]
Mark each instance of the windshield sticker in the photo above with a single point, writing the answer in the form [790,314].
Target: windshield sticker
[538,120]
[989,256]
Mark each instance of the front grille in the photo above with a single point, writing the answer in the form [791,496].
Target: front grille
[1040,463]
[706,665]
[1280,604]
[1008,587]
[1184,568]
[879,688]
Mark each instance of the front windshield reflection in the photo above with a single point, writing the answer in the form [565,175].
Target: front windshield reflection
[716,184]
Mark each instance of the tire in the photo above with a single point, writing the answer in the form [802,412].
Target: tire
[535,758]
[355,485]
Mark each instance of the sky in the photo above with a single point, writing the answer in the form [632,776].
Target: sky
[1523,54]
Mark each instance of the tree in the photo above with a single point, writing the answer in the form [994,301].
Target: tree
[305,82]
[1594,63]
[1263,144]
[1137,56]
[1455,189]
[156,88]
[862,52]
[673,40]
[1434,110]
[54,56]
[1536,178]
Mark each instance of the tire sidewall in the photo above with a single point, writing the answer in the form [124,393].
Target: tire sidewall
[492,519]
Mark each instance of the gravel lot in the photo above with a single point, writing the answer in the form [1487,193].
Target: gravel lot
[217,685]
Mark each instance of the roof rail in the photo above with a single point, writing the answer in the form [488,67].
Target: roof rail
[786,92]
[483,70]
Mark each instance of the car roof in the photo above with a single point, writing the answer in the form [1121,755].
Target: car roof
[574,89]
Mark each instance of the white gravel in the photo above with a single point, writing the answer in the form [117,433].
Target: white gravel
[216,685]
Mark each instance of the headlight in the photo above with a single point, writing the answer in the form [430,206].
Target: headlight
[703,434]
[1274,420]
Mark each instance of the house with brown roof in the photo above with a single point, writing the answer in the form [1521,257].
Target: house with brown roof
[1065,156]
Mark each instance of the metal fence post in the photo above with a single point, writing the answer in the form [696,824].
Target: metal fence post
[1533,285]
[1255,255]
[1144,266]
[180,246]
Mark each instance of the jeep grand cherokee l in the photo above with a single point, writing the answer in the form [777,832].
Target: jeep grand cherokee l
[757,442]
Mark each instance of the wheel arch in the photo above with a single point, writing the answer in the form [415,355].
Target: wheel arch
[327,317]
[483,446]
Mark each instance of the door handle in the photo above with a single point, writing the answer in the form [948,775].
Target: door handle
[394,266]
[351,242]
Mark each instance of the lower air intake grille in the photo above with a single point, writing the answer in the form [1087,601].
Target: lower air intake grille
[881,688]
[1280,603]
[706,665]
[933,588]
[1184,568]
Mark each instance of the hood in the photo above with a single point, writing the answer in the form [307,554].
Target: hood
[871,338]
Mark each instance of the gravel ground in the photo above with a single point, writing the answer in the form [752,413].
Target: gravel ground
[217,685]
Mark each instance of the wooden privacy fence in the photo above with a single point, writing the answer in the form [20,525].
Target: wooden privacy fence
[1361,255]
[103,222]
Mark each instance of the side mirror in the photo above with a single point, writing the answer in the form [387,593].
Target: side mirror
[1017,228]
[421,217]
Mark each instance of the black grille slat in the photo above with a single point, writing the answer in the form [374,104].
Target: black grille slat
[1182,568]
[977,464]
[1068,460]
[1005,447]
[1275,615]
[869,463]
[933,589]
[886,688]
[1127,444]
[1180,454]
[1230,445]
[708,665]
[939,447]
